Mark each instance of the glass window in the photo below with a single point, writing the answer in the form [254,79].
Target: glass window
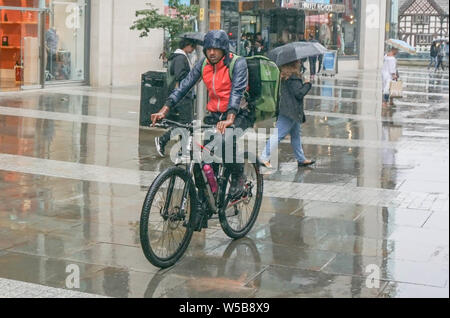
[65,40]
[19,46]
[336,30]
[257,26]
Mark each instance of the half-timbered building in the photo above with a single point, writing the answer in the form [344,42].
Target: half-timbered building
[423,21]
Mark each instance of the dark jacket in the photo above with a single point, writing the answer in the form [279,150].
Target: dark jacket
[239,80]
[291,98]
[179,68]
[433,50]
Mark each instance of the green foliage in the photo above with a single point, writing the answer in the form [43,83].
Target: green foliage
[174,26]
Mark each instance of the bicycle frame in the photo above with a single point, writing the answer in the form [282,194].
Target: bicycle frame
[198,179]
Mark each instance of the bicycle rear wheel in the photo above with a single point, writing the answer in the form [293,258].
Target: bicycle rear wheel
[238,218]
[165,231]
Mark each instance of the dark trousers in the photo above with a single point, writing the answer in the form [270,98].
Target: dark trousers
[312,65]
[243,122]
[320,63]
[440,59]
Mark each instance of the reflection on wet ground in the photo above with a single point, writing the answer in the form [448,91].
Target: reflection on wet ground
[75,168]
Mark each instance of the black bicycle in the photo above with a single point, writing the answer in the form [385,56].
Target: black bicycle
[183,198]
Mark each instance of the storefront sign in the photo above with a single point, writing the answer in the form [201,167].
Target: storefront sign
[330,63]
[319,5]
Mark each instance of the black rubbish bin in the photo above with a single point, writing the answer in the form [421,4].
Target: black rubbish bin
[153,95]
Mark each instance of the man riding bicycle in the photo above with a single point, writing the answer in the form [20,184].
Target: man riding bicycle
[226,106]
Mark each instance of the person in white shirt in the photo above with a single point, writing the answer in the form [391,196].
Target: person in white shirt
[389,73]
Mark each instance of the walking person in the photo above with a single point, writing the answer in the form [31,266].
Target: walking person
[226,105]
[440,56]
[313,66]
[312,61]
[179,67]
[301,38]
[290,115]
[245,46]
[260,47]
[320,58]
[389,74]
[433,55]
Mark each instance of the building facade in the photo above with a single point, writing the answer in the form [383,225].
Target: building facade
[47,42]
[420,22]
[353,28]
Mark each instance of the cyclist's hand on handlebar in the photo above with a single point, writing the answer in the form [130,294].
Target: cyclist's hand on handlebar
[223,125]
[157,117]
[160,115]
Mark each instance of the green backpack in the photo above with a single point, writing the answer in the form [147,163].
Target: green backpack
[264,85]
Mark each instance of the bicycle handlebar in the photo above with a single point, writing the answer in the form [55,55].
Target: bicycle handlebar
[166,123]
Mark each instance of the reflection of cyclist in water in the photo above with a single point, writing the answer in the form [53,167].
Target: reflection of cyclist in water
[240,258]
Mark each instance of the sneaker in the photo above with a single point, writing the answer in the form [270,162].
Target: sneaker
[237,186]
[267,164]
[160,147]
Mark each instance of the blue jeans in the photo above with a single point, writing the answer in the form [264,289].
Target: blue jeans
[285,126]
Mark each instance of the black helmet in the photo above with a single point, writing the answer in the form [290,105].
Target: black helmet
[217,39]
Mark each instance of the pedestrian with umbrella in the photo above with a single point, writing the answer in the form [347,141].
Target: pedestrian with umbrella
[388,74]
[389,71]
[290,113]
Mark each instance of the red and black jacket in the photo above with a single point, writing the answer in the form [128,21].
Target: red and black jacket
[225,93]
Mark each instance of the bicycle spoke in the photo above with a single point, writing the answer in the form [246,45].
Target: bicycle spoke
[238,221]
[166,230]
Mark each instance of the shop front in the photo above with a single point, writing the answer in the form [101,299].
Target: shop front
[271,23]
[43,42]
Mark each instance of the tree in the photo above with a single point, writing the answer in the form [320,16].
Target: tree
[181,22]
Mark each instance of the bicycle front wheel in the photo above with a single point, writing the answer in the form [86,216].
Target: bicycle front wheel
[165,228]
[238,218]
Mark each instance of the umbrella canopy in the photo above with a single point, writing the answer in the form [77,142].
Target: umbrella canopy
[195,36]
[296,51]
[401,45]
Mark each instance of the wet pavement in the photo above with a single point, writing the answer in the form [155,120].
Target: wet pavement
[74,171]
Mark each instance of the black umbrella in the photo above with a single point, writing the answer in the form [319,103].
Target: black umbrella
[195,36]
[296,51]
